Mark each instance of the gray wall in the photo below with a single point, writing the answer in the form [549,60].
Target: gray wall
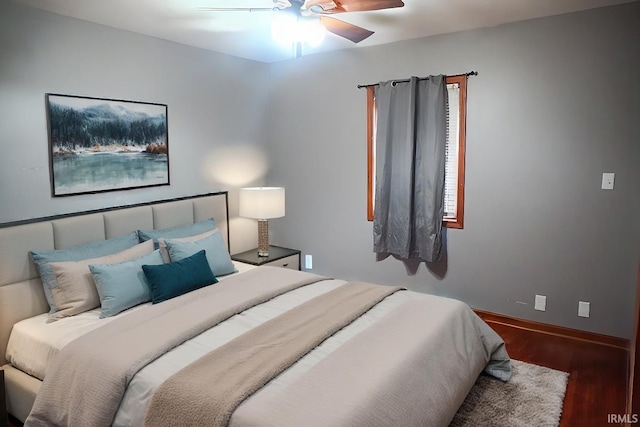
[554,106]
[216,106]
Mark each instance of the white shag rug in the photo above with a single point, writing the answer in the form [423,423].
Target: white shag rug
[533,397]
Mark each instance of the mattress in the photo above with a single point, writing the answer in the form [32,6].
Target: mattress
[145,382]
[33,342]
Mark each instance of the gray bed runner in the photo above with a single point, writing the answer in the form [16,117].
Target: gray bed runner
[208,390]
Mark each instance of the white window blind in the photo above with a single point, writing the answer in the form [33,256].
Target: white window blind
[451,151]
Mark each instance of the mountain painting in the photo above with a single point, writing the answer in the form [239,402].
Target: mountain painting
[101,145]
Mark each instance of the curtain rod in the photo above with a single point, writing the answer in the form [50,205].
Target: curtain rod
[470,73]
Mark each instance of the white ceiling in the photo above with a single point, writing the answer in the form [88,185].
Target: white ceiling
[247,35]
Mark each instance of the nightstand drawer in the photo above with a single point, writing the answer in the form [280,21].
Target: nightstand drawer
[292,262]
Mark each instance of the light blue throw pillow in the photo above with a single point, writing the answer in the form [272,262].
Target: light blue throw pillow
[215,248]
[123,285]
[177,232]
[42,258]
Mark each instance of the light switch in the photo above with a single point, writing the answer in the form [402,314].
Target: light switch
[607,180]
[583,308]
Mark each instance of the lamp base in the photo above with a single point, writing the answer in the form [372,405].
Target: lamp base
[263,238]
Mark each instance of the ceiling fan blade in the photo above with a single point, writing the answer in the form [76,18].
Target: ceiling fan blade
[340,6]
[344,29]
[237,9]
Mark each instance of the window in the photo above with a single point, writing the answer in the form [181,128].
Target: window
[455,151]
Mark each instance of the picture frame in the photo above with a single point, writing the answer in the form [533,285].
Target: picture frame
[99,144]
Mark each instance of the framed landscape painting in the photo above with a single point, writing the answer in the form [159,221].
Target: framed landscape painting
[98,144]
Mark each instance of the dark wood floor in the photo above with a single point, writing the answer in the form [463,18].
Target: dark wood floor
[598,373]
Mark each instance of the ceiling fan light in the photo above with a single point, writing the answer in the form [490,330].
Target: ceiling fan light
[287,29]
[312,32]
[284,28]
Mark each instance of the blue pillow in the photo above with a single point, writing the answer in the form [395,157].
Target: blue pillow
[215,248]
[42,258]
[177,232]
[123,285]
[176,278]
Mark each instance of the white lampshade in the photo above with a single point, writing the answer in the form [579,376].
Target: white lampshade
[262,202]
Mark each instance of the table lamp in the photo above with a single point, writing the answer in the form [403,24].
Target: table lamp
[262,203]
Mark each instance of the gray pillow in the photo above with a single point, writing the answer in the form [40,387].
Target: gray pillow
[177,232]
[215,251]
[42,258]
[76,292]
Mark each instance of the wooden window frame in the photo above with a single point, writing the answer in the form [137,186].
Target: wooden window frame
[457,220]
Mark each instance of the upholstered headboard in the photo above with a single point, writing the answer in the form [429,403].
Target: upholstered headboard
[21,293]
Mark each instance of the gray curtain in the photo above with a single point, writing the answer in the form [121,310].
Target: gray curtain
[410,158]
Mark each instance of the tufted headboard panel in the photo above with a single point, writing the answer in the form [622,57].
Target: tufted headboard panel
[21,294]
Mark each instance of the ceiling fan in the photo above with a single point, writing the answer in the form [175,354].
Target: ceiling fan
[320,9]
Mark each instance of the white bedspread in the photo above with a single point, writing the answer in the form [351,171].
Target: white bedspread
[34,343]
[32,354]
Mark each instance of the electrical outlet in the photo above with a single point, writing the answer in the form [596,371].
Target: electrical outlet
[583,308]
[308,262]
[608,180]
[541,303]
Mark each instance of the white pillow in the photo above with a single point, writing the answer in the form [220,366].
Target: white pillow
[76,292]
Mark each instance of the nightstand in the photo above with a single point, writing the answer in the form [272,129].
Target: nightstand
[4,421]
[278,257]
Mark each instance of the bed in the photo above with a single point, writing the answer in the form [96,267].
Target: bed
[280,347]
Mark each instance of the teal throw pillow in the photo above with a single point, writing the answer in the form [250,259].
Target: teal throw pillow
[168,281]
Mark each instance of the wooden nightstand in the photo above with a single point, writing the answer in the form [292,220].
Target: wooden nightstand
[4,421]
[278,257]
